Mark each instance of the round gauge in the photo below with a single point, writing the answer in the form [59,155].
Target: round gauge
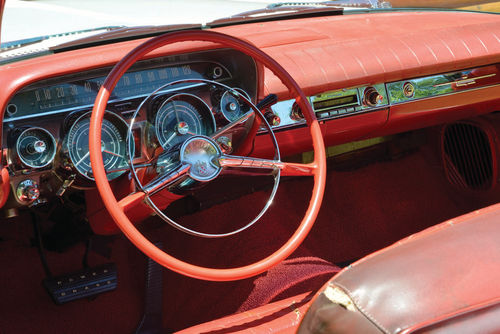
[231,105]
[36,147]
[180,117]
[113,146]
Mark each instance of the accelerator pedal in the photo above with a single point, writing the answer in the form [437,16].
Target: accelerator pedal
[151,322]
[82,284]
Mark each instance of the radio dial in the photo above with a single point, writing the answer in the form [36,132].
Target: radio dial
[371,97]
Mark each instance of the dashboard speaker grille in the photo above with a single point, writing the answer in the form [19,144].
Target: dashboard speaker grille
[468,157]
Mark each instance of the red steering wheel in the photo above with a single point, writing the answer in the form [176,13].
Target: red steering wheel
[116,209]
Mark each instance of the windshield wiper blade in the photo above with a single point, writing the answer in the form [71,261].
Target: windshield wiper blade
[277,13]
[122,34]
[12,45]
[335,3]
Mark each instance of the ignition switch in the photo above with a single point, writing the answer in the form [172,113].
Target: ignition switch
[27,191]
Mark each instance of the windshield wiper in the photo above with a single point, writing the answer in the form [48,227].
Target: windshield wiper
[277,12]
[122,34]
[12,45]
[290,10]
[37,46]
[335,3]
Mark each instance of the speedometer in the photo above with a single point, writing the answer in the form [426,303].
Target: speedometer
[113,146]
[180,117]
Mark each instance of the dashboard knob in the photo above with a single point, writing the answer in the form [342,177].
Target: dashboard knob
[232,106]
[272,118]
[27,191]
[38,146]
[296,113]
[371,97]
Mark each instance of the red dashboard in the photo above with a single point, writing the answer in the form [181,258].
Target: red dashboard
[332,56]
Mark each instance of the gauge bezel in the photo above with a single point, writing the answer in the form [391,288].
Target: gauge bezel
[50,137]
[206,111]
[121,126]
[223,110]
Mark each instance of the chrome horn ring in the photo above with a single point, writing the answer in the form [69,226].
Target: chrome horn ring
[188,162]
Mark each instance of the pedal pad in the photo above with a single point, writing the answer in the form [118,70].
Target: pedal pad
[82,284]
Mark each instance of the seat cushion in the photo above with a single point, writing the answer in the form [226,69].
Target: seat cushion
[444,277]
[279,317]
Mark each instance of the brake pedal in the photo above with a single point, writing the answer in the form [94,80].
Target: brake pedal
[82,284]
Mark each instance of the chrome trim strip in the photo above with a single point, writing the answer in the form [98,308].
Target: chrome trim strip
[466,81]
[442,95]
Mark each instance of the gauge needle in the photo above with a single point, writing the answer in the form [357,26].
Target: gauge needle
[83,158]
[172,136]
[112,153]
[175,112]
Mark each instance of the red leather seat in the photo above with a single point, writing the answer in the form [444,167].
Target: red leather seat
[279,317]
[445,279]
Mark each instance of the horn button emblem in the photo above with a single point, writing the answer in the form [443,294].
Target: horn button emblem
[202,154]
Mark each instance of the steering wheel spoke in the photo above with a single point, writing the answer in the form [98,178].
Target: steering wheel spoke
[286,168]
[245,117]
[165,180]
[131,201]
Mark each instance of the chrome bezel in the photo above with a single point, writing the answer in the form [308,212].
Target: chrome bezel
[239,92]
[51,138]
[207,111]
[69,150]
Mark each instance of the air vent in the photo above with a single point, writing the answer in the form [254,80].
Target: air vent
[468,156]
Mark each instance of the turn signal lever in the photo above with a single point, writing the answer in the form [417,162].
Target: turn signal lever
[267,102]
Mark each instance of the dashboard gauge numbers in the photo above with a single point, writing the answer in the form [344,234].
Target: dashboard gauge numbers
[113,146]
[180,117]
[36,147]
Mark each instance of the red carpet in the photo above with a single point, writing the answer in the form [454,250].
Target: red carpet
[363,210]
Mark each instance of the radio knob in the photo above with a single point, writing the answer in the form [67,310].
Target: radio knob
[371,97]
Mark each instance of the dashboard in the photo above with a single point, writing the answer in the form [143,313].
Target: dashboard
[409,79]
[163,101]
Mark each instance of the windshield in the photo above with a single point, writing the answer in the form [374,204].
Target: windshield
[29,19]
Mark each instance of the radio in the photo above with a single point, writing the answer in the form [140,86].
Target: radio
[348,101]
[333,104]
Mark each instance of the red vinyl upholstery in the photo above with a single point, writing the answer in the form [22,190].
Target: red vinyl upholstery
[442,280]
[280,317]
[289,278]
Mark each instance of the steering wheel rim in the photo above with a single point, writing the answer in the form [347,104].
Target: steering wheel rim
[318,167]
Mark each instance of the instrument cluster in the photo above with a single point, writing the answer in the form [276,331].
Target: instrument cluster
[46,125]
[166,123]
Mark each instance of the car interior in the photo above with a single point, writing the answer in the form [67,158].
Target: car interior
[158,182]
